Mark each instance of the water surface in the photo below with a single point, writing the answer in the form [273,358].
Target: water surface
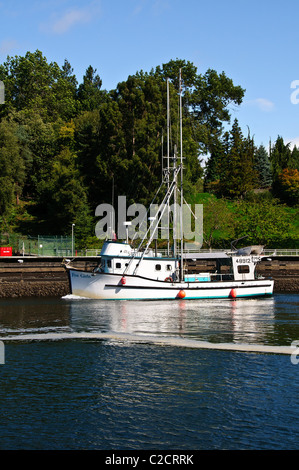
[113,394]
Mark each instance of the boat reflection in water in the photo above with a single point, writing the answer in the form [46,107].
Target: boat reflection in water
[242,320]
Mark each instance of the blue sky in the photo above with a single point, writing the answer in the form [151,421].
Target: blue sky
[255,43]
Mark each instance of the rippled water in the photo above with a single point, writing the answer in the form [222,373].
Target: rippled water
[123,394]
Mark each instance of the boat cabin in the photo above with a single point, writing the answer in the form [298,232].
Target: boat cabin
[120,258]
[244,267]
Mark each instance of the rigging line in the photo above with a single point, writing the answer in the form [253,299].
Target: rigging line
[189,207]
[153,200]
[166,197]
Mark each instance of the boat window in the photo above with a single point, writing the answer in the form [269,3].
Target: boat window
[158,267]
[168,267]
[243,269]
[118,265]
[103,263]
[108,263]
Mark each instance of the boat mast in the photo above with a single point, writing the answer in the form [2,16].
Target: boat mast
[181,189]
[168,154]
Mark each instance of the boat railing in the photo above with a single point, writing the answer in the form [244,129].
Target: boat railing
[92,252]
[221,277]
[266,252]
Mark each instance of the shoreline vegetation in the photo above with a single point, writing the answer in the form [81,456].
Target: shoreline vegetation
[66,147]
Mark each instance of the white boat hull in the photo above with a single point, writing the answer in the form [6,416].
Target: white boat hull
[110,287]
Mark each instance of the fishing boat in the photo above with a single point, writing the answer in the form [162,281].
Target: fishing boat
[125,272]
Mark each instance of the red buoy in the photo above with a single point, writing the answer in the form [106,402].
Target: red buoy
[123,280]
[233,293]
[181,294]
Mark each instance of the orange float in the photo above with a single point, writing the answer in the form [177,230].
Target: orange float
[181,294]
[233,293]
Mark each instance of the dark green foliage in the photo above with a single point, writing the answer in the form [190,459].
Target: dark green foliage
[230,171]
[12,168]
[279,157]
[294,160]
[262,167]
[67,147]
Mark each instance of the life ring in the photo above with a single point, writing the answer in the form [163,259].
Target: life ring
[168,279]
[123,280]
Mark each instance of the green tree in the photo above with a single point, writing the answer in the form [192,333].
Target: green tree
[213,167]
[12,168]
[262,166]
[217,219]
[34,84]
[288,186]
[64,197]
[237,168]
[210,100]
[280,156]
[101,154]
[38,141]
[294,160]
[262,223]
[89,94]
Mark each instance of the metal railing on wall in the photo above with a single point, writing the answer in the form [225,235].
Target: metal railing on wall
[62,247]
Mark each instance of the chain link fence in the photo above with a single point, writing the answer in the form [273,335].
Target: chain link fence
[47,246]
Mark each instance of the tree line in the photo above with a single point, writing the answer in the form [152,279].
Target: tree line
[66,147]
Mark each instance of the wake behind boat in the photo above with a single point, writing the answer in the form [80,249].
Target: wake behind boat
[129,273]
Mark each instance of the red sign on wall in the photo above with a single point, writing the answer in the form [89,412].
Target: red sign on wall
[6,251]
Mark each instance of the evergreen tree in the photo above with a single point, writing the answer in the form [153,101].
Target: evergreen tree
[64,196]
[262,166]
[12,168]
[90,95]
[280,157]
[237,169]
[213,167]
[294,160]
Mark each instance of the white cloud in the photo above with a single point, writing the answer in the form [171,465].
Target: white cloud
[69,19]
[7,45]
[157,7]
[294,141]
[262,103]
[60,24]
[139,7]
[160,6]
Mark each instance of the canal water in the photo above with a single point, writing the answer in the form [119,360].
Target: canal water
[96,375]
